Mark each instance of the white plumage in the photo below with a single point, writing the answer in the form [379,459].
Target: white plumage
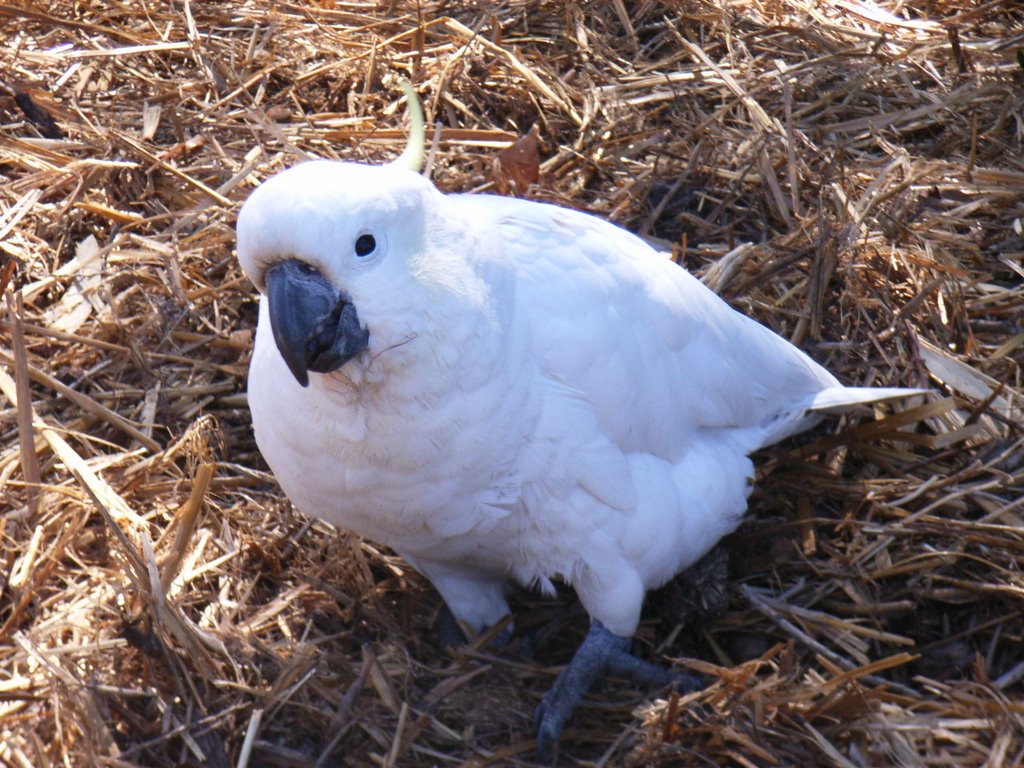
[543,396]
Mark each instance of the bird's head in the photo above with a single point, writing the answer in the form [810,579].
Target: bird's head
[333,247]
[347,255]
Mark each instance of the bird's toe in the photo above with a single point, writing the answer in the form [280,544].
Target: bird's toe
[685,683]
[550,717]
[601,653]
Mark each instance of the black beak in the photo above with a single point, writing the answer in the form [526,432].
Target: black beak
[315,325]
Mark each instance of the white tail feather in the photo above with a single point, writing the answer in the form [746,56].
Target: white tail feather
[837,398]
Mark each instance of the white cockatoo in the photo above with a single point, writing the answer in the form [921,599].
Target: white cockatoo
[507,391]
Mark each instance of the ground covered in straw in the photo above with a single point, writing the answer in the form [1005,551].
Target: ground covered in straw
[848,172]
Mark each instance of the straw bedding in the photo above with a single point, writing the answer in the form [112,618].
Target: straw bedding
[850,173]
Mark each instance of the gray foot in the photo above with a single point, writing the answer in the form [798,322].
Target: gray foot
[450,634]
[601,653]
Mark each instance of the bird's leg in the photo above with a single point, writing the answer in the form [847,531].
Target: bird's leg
[601,653]
[451,635]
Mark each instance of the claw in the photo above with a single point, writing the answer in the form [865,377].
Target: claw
[601,653]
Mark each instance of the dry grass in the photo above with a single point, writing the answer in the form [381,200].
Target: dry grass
[848,172]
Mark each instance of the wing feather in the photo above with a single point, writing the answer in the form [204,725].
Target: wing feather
[595,292]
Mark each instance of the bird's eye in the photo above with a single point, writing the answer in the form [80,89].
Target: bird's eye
[365,245]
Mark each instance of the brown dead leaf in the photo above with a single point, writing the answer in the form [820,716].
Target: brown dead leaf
[518,166]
